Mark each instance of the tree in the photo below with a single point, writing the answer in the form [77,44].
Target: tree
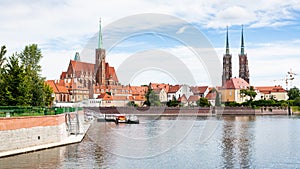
[203,102]
[217,101]
[15,85]
[152,99]
[30,58]
[2,60]
[248,92]
[293,93]
[2,57]
[297,101]
[173,102]
[20,80]
[48,95]
[132,103]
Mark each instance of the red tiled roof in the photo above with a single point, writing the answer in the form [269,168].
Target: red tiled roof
[138,90]
[211,96]
[270,89]
[157,90]
[82,66]
[236,83]
[139,98]
[63,75]
[110,73]
[182,98]
[160,86]
[131,98]
[193,98]
[105,96]
[202,89]
[119,98]
[174,89]
[57,87]
[199,89]
[52,85]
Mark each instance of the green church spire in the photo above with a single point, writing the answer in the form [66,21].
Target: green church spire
[242,42]
[227,43]
[100,36]
[77,57]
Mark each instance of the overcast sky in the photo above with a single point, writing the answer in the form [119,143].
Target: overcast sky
[61,28]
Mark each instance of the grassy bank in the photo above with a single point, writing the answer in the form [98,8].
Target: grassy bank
[296,109]
[16,111]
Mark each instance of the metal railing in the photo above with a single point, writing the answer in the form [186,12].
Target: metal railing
[15,111]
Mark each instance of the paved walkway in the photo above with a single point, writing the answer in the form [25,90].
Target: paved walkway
[69,140]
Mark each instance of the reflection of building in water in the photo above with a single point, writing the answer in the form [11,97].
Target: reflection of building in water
[237,141]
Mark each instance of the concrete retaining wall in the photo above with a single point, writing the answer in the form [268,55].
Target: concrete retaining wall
[24,132]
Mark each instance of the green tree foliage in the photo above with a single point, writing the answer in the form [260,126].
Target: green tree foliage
[21,81]
[261,103]
[152,99]
[30,58]
[248,92]
[203,102]
[15,84]
[132,103]
[2,57]
[217,100]
[297,101]
[173,102]
[47,94]
[293,93]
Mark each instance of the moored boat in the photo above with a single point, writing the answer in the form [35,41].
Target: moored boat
[121,119]
[132,119]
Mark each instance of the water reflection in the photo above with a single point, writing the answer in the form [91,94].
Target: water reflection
[49,158]
[237,141]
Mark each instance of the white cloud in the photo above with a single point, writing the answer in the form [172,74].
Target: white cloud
[62,27]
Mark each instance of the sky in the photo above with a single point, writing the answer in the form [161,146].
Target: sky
[162,29]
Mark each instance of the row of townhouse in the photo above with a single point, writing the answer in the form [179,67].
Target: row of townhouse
[72,91]
[187,95]
[231,91]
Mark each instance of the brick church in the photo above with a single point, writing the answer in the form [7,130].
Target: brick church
[230,90]
[83,81]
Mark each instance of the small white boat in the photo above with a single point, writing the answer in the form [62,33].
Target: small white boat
[132,119]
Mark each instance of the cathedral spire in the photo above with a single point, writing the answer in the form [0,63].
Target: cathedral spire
[100,36]
[227,43]
[242,42]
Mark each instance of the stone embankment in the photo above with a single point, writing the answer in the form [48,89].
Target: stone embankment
[32,133]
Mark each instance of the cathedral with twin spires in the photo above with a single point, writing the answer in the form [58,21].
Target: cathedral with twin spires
[227,63]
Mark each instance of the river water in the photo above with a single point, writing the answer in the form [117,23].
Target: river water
[169,142]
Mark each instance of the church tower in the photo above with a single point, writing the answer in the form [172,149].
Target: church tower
[227,65]
[243,61]
[100,60]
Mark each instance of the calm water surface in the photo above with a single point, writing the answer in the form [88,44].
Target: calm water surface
[237,142]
